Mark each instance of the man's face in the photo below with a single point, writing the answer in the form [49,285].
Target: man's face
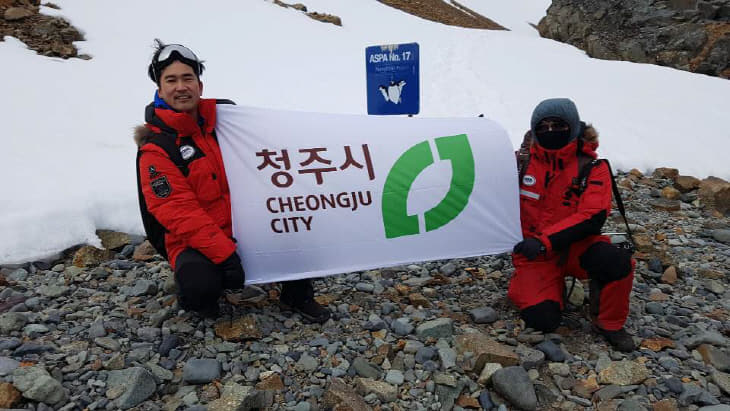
[180,88]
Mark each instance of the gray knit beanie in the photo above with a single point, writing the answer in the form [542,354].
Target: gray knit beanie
[562,108]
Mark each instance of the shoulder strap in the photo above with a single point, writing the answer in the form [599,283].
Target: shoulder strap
[585,170]
[619,202]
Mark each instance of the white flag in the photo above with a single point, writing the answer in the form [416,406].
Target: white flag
[317,194]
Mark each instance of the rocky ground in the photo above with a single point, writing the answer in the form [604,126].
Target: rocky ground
[100,329]
[450,12]
[49,36]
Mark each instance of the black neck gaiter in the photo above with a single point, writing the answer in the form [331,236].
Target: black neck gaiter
[553,140]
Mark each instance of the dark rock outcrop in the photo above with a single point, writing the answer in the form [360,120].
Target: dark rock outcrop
[691,35]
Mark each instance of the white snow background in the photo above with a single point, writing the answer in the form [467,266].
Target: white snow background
[68,159]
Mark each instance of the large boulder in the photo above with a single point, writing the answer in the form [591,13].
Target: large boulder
[715,193]
[691,35]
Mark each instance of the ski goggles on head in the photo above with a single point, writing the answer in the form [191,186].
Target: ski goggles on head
[167,55]
[167,51]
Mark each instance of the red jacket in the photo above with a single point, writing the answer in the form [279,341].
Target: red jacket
[550,209]
[188,195]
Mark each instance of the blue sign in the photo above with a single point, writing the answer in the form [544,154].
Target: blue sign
[392,79]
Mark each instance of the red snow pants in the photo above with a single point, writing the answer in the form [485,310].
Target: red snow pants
[537,287]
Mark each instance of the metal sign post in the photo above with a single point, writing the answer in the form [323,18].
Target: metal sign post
[393,85]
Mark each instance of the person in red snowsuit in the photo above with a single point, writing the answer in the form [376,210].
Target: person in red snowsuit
[183,189]
[561,226]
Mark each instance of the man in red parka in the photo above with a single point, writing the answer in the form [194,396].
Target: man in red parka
[561,226]
[183,190]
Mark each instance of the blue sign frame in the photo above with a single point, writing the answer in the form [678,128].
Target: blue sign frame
[393,85]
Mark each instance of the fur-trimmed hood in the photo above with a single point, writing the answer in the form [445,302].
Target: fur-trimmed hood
[142,135]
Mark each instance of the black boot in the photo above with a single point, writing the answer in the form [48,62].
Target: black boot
[298,296]
[619,339]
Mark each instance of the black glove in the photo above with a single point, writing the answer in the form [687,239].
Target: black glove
[233,275]
[530,248]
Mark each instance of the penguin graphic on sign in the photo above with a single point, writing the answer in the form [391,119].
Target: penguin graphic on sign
[393,91]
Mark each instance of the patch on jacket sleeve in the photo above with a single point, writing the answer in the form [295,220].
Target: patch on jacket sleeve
[161,187]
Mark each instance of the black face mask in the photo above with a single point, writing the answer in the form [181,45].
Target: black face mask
[553,140]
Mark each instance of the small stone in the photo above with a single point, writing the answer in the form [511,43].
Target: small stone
[722,380]
[112,240]
[657,344]
[714,357]
[665,204]
[91,256]
[666,172]
[448,268]
[488,371]
[447,357]
[444,379]
[144,252]
[394,377]
[515,385]
[425,354]
[715,286]
[668,404]
[483,315]
[240,329]
[365,287]
[53,291]
[374,323]
[624,373]
[271,383]
[530,358]
[722,236]
[401,326]
[485,350]
[201,371]
[10,322]
[7,366]
[485,400]
[303,406]
[36,384]
[654,308]
[339,396]
[439,328]
[307,363]
[108,343]
[670,275]
[586,387]
[552,351]
[418,300]
[169,342]
[365,369]
[384,391]
[706,337]
[143,287]
[671,193]
[16,13]
[560,369]
[18,275]
[32,348]
[238,397]
[9,396]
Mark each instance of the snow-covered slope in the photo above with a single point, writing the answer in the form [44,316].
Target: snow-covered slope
[68,163]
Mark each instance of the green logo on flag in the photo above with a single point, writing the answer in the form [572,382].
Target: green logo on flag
[396,220]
